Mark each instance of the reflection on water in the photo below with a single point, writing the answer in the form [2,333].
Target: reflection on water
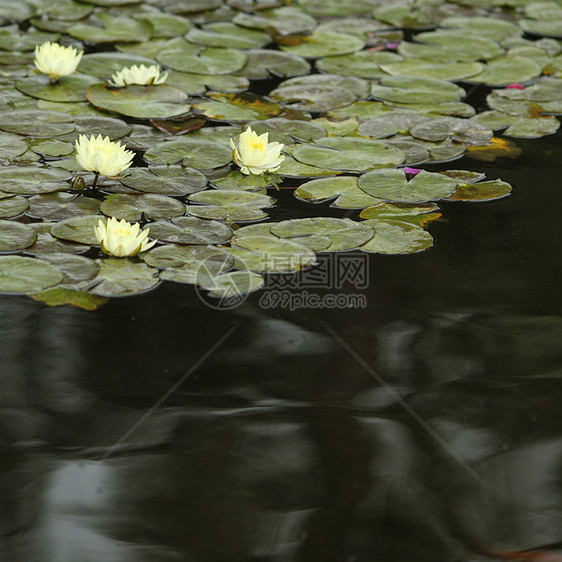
[161,430]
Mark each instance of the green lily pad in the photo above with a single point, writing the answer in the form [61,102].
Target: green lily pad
[132,208]
[229,205]
[408,16]
[142,102]
[313,98]
[67,89]
[51,148]
[13,40]
[348,154]
[389,124]
[30,180]
[461,130]
[115,29]
[442,71]
[77,271]
[104,65]
[263,63]
[237,107]
[166,25]
[173,181]
[345,234]
[481,191]
[288,131]
[59,296]
[178,256]
[187,57]
[11,146]
[46,243]
[364,64]
[292,168]
[344,188]
[416,152]
[15,236]
[419,215]
[392,185]
[195,152]
[532,127]
[190,230]
[36,123]
[227,34]
[507,70]
[60,206]
[67,10]
[287,20]
[407,89]
[239,181]
[333,8]
[77,229]
[396,237]
[271,254]
[327,43]
[22,275]
[488,27]
[12,205]
[120,277]
[546,28]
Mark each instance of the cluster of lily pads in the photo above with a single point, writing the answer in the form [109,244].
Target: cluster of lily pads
[361,94]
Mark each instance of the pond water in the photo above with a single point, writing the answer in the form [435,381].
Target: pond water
[425,426]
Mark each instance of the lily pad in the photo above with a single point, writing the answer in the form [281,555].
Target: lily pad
[115,29]
[239,181]
[77,229]
[173,181]
[348,154]
[180,256]
[12,205]
[190,230]
[532,127]
[389,124]
[45,243]
[287,20]
[327,43]
[142,102]
[119,277]
[460,130]
[396,237]
[60,206]
[507,70]
[419,215]
[443,71]
[407,89]
[342,188]
[229,205]
[11,146]
[104,65]
[237,107]
[392,185]
[77,271]
[22,275]
[263,63]
[481,191]
[288,131]
[227,34]
[59,296]
[195,152]
[133,208]
[345,234]
[30,180]
[15,236]
[364,64]
[36,123]
[67,89]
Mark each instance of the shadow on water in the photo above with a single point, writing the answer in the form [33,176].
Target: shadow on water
[424,427]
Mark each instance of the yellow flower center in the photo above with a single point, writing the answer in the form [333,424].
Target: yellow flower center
[258,146]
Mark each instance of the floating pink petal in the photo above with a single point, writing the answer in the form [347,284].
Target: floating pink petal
[515,87]
[411,171]
[392,45]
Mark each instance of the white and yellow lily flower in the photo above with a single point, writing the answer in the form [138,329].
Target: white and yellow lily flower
[255,155]
[122,239]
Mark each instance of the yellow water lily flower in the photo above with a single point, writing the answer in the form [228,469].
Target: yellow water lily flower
[255,155]
[55,61]
[121,238]
[142,75]
[102,156]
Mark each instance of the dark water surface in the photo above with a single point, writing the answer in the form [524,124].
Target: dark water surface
[425,427]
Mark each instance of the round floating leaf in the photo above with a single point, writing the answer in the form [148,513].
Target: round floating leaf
[443,71]
[115,29]
[392,185]
[29,180]
[281,21]
[190,230]
[313,98]
[166,25]
[68,11]
[294,169]
[507,70]
[92,125]
[396,237]
[407,89]
[237,107]
[78,271]
[60,206]
[463,176]
[229,205]
[51,148]
[78,229]
[12,205]
[482,191]
[353,154]
[45,243]
[66,89]
[239,181]
[361,110]
[365,64]
[272,254]
[287,131]
[104,65]
[59,296]
[15,236]
[36,123]
[461,130]
[227,34]
[345,234]
[389,124]
[26,275]
[488,27]
[233,284]
[546,28]
[345,188]
[416,152]
[327,43]
[408,16]
[262,63]
[413,214]
[133,207]
[122,278]
[11,146]
[12,40]
[194,152]
[142,102]
[532,127]
[174,181]
[192,59]
[174,255]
